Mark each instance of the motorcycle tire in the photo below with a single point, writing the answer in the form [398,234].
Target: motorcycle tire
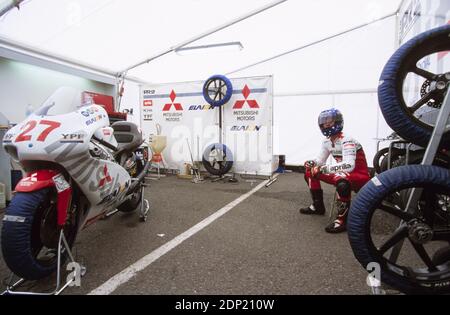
[360,218]
[378,158]
[22,235]
[132,204]
[442,255]
[396,112]
[381,159]
[216,84]
[223,166]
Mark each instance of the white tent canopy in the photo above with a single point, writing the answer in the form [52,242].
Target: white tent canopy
[112,35]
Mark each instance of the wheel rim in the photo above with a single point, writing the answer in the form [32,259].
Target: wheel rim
[422,105]
[216,89]
[217,158]
[45,234]
[415,258]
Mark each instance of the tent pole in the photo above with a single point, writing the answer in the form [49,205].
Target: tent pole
[329,92]
[313,43]
[13,4]
[397,25]
[207,33]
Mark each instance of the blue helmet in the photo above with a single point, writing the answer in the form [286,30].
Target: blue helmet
[331,122]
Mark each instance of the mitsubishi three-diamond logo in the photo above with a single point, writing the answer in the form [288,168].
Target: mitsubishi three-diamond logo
[168,106]
[106,177]
[251,103]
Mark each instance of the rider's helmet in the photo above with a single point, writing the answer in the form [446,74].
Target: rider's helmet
[331,122]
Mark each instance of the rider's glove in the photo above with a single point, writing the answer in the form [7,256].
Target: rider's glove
[310,164]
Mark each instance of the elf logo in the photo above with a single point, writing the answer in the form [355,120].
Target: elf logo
[177,106]
[252,103]
[246,128]
[201,107]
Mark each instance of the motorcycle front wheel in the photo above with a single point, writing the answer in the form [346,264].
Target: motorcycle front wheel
[30,234]
[378,222]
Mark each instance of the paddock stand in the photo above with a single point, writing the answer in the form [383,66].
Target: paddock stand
[145,206]
[430,153]
[225,178]
[73,278]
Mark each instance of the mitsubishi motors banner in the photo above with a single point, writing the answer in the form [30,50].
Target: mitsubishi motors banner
[248,125]
[187,120]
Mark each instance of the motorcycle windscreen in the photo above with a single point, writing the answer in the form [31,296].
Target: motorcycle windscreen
[63,101]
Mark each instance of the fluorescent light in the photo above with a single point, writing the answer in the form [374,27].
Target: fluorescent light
[221,47]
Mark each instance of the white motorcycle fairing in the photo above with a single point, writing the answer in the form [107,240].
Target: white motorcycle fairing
[65,139]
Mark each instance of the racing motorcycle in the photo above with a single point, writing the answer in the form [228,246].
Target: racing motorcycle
[78,168]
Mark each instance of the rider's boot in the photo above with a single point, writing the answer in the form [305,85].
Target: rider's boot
[340,223]
[317,207]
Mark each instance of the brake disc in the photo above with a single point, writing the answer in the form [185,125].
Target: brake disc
[439,89]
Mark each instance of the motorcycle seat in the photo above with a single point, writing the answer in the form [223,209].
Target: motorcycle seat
[127,135]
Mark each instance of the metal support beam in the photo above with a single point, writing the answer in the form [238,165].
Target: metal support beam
[22,53]
[207,33]
[40,62]
[312,44]
[13,4]
[336,92]
[440,128]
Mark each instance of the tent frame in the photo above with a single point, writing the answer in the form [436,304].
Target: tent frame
[16,51]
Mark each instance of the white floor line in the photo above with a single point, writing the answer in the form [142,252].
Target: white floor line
[125,275]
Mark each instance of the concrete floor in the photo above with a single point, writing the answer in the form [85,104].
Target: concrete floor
[262,246]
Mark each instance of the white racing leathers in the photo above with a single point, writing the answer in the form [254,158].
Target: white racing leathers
[351,164]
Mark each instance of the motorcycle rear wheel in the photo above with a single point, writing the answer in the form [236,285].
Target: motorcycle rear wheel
[132,204]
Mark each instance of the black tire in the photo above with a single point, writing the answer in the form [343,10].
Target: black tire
[362,212]
[381,159]
[216,85]
[378,158]
[22,241]
[442,256]
[132,204]
[223,166]
[390,92]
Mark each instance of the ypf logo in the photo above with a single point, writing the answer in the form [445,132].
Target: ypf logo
[251,103]
[178,106]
